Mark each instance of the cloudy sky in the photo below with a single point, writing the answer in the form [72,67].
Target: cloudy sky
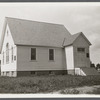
[83,17]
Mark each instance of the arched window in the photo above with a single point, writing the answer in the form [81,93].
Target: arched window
[7,53]
[12,54]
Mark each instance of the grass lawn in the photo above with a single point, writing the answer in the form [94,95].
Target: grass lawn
[45,84]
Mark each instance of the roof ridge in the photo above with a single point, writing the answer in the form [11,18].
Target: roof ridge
[77,33]
[34,21]
[29,32]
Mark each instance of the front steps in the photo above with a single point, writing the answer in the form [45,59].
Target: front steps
[84,71]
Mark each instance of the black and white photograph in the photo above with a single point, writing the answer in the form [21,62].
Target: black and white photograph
[50,48]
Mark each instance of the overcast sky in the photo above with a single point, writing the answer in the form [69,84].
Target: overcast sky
[75,17]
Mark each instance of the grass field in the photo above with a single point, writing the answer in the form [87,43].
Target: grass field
[45,84]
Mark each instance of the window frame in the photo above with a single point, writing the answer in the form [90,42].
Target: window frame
[81,51]
[14,57]
[87,55]
[12,54]
[35,54]
[7,53]
[3,58]
[12,73]
[53,54]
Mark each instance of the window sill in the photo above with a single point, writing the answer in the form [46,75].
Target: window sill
[33,60]
[80,52]
[51,60]
[7,62]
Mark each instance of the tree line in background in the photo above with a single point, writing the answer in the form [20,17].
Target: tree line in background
[97,66]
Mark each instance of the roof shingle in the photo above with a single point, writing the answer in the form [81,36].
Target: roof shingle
[70,40]
[25,32]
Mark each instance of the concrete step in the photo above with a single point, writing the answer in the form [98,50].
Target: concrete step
[90,71]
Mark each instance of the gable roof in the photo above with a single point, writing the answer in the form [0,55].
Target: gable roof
[71,40]
[25,32]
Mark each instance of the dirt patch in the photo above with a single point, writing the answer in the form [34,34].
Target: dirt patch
[87,89]
[78,90]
